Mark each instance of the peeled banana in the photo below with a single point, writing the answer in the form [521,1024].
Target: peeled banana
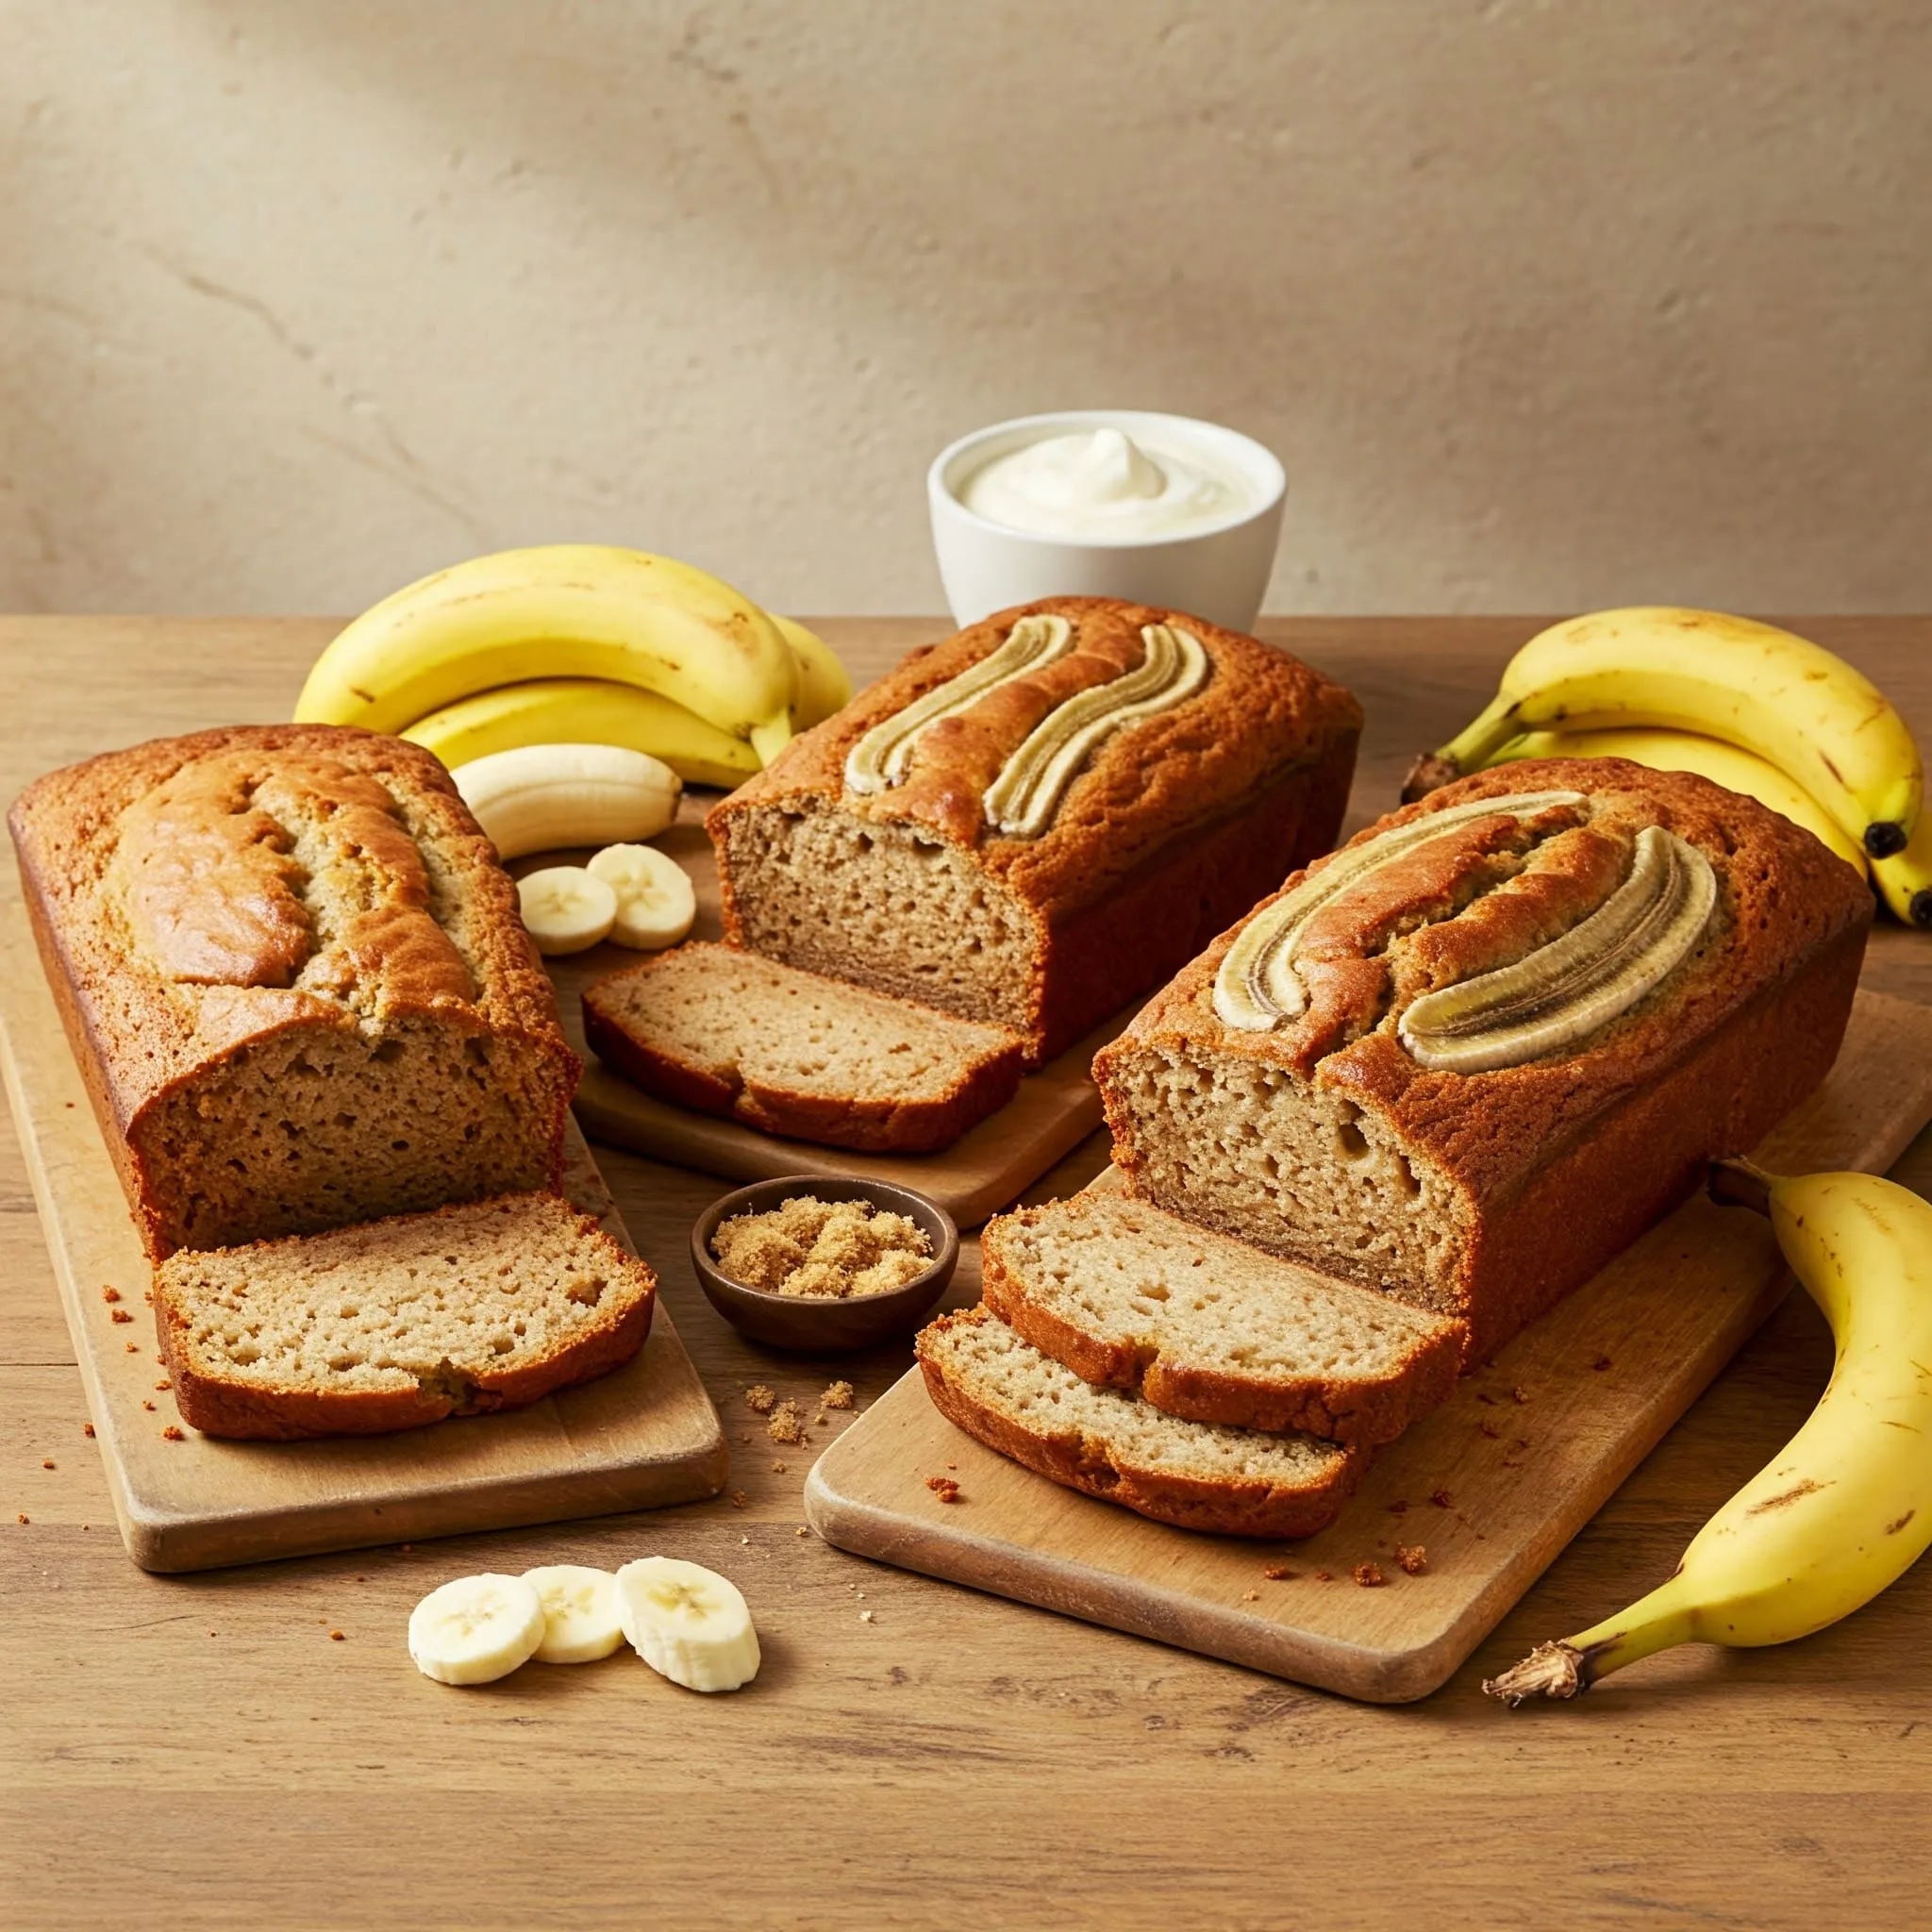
[1728,765]
[562,610]
[1751,684]
[544,797]
[687,1623]
[1846,1507]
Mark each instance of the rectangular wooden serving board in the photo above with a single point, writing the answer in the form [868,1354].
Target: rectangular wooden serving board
[1526,1451]
[989,1166]
[637,1439]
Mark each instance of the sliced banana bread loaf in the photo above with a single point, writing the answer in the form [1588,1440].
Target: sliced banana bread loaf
[399,1323]
[1210,1328]
[1474,1053]
[788,1052]
[295,980]
[1039,818]
[1240,1482]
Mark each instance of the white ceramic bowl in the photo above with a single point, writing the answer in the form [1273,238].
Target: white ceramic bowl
[1218,572]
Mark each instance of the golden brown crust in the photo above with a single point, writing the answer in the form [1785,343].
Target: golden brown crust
[162,972]
[1076,1461]
[871,1122]
[249,1411]
[1338,1408]
[1611,1134]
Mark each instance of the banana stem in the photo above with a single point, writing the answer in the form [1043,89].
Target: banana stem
[1569,1668]
[1470,750]
[1739,1184]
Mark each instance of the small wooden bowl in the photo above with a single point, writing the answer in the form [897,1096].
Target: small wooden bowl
[821,1324]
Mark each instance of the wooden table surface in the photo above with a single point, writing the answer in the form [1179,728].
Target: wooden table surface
[196,1752]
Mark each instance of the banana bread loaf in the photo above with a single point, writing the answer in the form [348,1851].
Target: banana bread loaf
[1042,817]
[296,982]
[1474,1054]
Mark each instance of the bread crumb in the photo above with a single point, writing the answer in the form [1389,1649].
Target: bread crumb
[1413,1561]
[1442,1500]
[779,1468]
[1368,1576]
[801,1530]
[1520,1394]
[121,1315]
[335,1637]
[759,1399]
[87,1430]
[739,1499]
[46,1462]
[22,1516]
[787,1424]
[1324,1576]
[110,1294]
[944,1487]
[149,1406]
[164,1383]
[1277,1572]
[865,1616]
[173,1434]
[1250,1597]
[837,1396]
[1602,1362]
[818,1421]
[134,1348]
[829,1250]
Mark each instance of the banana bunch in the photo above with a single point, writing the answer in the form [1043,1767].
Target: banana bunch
[579,644]
[1846,1507]
[1750,706]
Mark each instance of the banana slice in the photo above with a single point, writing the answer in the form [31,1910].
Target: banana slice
[580,1621]
[476,1629]
[687,1623]
[655,904]
[566,909]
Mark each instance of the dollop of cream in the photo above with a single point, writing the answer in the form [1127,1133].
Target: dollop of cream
[1100,485]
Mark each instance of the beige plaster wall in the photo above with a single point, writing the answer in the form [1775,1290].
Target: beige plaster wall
[1543,304]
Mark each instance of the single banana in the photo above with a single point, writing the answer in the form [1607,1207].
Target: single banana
[1846,1507]
[823,685]
[565,909]
[560,610]
[1728,765]
[1807,711]
[476,1629]
[687,1623]
[580,1621]
[1904,879]
[656,903]
[585,710]
[545,797]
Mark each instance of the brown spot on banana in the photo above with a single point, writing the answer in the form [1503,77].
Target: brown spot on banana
[1798,1491]
[1893,1529]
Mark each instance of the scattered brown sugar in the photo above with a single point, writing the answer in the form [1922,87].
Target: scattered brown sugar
[122,1315]
[787,1424]
[827,1250]
[1277,1572]
[1442,1500]
[173,1434]
[1368,1576]
[759,1399]
[110,1294]
[837,1396]
[1413,1561]
[944,1487]
[87,1430]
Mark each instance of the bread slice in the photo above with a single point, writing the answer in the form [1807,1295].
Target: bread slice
[788,1052]
[1196,1476]
[1209,1328]
[394,1323]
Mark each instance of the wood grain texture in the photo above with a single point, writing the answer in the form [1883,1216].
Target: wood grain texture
[196,1751]
[1526,1451]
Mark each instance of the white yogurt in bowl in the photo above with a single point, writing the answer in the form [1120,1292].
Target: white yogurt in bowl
[1160,509]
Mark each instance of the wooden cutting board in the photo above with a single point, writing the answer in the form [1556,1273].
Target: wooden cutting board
[987,1167]
[640,1437]
[1491,1486]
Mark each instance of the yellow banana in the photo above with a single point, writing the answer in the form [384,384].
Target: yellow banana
[585,710]
[1728,765]
[560,610]
[1904,879]
[1807,711]
[823,685]
[1846,1508]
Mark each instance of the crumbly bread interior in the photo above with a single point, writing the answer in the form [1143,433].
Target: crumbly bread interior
[312,1129]
[885,906]
[750,1021]
[1128,1274]
[1250,1149]
[998,1370]
[423,1301]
